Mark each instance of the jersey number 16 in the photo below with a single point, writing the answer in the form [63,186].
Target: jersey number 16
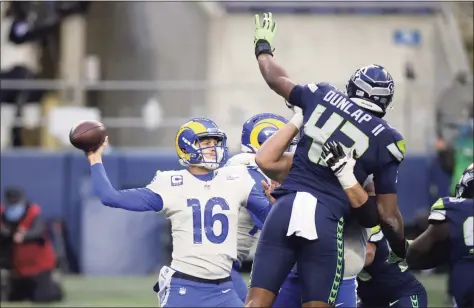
[209,220]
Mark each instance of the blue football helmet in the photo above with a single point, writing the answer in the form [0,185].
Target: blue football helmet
[372,88]
[465,187]
[259,128]
[188,146]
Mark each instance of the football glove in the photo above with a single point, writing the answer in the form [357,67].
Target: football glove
[264,34]
[341,164]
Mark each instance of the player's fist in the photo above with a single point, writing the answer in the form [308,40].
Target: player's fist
[264,34]
[96,156]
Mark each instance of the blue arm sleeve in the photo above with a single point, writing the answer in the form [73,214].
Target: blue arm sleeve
[303,95]
[296,96]
[385,179]
[137,200]
[258,204]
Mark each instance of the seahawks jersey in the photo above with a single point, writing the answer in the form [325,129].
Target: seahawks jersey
[203,218]
[383,281]
[247,231]
[459,214]
[329,115]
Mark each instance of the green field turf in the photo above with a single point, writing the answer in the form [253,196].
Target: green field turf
[137,292]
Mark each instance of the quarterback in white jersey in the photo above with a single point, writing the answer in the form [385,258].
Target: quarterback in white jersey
[255,132]
[276,165]
[203,204]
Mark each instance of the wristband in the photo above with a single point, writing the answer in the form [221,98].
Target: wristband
[297,120]
[262,46]
[347,180]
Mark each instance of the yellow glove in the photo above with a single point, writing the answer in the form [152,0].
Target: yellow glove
[264,34]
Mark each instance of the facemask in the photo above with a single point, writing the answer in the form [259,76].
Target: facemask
[14,212]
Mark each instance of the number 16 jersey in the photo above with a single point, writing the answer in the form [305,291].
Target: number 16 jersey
[204,217]
[329,115]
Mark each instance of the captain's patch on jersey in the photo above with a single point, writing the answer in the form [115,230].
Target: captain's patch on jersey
[176,180]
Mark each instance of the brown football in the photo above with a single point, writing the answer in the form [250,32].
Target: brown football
[87,135]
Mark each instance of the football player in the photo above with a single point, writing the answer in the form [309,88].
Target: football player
[385,280]
[306,223]
[449,239]
[203,204]
[255,132]
[271,156]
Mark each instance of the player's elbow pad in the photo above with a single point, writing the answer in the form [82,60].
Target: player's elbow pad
[367,214]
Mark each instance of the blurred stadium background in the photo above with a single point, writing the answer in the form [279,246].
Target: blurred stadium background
[144,68]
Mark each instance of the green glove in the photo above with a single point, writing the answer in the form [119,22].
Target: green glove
[264,34]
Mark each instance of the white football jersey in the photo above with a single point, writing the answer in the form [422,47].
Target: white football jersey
[355,243]
[247,233]
[204,217]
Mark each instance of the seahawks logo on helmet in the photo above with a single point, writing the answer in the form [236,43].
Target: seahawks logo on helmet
[371,87]
[465,187]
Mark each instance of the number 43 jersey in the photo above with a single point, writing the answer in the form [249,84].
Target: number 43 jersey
[329,115]
[204,217]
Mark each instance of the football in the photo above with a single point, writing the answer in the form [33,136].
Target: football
[87,136]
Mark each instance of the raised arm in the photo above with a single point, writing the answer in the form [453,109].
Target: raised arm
[275,76]
[271,157]
[137,200]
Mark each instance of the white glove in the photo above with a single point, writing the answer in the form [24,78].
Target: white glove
[297,119]
[341,164]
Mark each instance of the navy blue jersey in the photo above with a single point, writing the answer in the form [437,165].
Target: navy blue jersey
[459,214]
[384,282]
[329,115]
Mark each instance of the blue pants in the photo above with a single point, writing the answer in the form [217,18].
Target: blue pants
[290,293]
[185,293]
[320,262]
[240,286]
[415,301]
[418,300]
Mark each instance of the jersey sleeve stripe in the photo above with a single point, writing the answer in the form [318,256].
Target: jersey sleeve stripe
[438,215]
[393,149]
[375,234]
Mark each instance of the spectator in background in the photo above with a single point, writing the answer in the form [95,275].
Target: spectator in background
[21,30]
[453,117]
[463,151]
[27,251]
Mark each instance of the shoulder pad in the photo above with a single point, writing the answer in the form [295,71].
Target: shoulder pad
[438,210]
[396,145]
[375,234]
[313,87]
[323,85]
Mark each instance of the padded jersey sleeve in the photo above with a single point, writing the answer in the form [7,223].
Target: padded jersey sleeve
[391,154]
[376,235]
[256,202]
[302,95]
[258,199]
[438,211]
